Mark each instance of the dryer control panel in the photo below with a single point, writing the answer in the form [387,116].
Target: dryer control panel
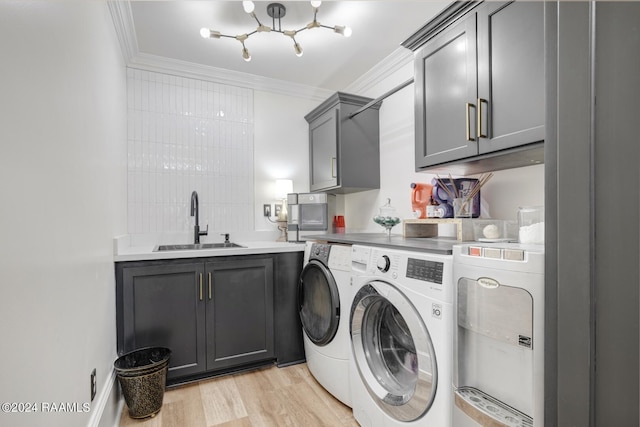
[422,269]
[425,273]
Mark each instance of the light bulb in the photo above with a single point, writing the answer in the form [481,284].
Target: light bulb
[205,33]
[245,54]
[316,4]
[297,49]
[341,29]
[248,6]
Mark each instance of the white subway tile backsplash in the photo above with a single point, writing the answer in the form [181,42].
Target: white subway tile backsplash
[184,135]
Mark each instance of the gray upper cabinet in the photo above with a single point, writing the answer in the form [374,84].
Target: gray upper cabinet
[344,151]
[479,81]
[446,87]
[510,74]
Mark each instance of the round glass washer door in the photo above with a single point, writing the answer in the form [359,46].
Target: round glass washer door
[319,303]
[393,351]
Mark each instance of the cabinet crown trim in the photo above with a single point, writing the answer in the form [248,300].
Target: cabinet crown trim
[454,11]
[340,98]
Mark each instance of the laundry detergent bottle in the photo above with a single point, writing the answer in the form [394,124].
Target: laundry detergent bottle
[420,196]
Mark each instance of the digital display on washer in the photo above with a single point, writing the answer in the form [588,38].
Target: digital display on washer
[421,269]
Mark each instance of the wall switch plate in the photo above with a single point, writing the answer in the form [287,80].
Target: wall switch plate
[266,210]
[93,384]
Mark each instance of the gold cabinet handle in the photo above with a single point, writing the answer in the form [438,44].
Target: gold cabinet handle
[333,168]
[480,132]
[210,294]
[468,117]
[200,286]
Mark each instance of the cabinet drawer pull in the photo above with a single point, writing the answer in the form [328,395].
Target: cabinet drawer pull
[468,117]
[201,287]
[480,132]
[210,294]
[333,168]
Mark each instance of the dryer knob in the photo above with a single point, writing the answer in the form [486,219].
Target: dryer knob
[384,263]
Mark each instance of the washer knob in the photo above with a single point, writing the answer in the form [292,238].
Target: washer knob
[384,263]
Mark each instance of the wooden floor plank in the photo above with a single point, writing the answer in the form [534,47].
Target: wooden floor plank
[266,397]
[221,401]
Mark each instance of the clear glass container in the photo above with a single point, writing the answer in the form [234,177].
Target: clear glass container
[531,224]
[387,217]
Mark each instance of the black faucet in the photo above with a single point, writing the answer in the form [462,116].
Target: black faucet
[194,212]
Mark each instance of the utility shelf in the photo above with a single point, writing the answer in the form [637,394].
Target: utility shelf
[429,227]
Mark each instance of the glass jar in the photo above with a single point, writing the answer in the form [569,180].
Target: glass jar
[531,224]
[387,218]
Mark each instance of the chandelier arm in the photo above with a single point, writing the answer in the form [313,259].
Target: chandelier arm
[256,18]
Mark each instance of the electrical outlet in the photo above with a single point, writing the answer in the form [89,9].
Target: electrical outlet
[266,210]
[93,384]
[278,209]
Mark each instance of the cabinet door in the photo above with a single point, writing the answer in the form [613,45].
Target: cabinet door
[239,312]
[446,89]
[323,149]
[510,74]
[164,306]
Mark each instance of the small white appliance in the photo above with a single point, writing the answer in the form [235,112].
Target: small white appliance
[401,338]
[325,299]
[309,214]
[499,335]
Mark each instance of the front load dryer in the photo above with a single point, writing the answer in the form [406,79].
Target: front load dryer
[325,299]
[401,336]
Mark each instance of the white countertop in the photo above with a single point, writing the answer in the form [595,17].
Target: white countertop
[141,251]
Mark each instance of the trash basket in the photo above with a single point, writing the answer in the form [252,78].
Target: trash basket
[142,374]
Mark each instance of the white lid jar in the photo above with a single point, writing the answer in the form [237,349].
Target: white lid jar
[531,224]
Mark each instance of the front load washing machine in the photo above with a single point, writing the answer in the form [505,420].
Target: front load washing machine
[498,335]
[401,338]
[325,299]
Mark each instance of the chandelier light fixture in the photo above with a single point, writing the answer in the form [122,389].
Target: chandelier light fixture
[276,11]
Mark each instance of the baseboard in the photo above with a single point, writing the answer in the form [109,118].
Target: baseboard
[106,409]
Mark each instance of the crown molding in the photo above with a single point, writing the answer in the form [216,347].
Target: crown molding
[122,17]
[165,65]
[384,69]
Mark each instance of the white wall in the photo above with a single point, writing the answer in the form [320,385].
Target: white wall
[500,197]
[63,191]
[281,147]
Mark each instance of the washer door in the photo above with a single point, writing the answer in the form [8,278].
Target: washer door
[319,303]
[393,351]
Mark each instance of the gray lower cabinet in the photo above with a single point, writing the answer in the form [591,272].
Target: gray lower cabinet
[215,314]
[161,306]
[239,316]
[479,83]
[344,151]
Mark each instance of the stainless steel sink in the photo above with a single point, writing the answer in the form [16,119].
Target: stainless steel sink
[196,246]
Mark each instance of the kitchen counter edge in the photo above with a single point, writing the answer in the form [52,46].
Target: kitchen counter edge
[442,246]
[145,253]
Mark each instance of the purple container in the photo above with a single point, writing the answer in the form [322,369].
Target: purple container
[463,186]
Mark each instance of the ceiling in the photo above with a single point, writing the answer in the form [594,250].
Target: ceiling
[171,30]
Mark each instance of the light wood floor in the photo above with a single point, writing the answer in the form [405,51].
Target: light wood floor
[269,396]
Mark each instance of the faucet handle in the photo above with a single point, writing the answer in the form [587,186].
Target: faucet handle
[226,237]
[205,232]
